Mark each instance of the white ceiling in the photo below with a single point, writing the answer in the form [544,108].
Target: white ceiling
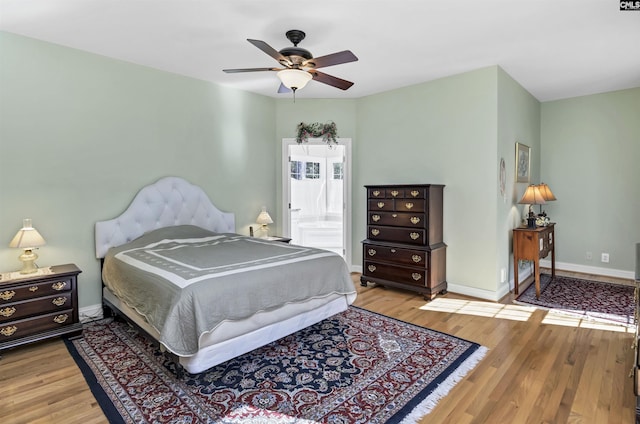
[554,48]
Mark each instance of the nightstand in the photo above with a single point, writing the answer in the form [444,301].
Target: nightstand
[278,238]
[37,307]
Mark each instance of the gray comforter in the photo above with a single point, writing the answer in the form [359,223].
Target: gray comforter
[186,280]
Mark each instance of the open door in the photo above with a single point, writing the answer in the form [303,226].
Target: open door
[317,194]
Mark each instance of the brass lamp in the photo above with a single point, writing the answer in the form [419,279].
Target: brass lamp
[264,219]
[27,238]
[532,196]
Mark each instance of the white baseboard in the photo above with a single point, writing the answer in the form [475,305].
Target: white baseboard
[90,313]
[586,269]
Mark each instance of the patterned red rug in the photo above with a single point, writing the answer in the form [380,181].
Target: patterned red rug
[593,300]
[355,367]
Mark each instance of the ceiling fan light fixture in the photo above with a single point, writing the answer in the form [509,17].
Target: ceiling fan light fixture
[294,79]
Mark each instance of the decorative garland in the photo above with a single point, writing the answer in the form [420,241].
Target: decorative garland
[328,132]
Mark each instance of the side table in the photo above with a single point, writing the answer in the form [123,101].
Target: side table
[532,244]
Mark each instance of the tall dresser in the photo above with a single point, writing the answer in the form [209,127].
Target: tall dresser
[404,246]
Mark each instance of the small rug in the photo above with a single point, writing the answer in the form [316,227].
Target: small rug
[593,300]
[355,367]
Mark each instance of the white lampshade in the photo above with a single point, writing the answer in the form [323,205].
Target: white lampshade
[27,238]
[294,79]
[264,218]
[532,196]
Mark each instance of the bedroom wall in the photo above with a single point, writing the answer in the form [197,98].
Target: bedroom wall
[441,132]
[518,121]
[590,153]
[81,133]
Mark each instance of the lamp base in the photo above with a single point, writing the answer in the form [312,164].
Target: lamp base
[531,222]
[28,258]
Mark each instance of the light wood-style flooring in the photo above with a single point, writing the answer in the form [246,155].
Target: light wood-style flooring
[539,369]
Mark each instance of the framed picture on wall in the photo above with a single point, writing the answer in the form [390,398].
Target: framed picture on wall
[523,163]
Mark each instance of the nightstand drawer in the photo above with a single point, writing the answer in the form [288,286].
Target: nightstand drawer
[18,310]
[31,290]
[25,327]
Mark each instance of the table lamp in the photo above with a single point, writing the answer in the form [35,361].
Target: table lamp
[264,219]
[532,196]
[27,238]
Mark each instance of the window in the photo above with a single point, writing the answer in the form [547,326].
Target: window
[296,169]
[338,171]
[312,170]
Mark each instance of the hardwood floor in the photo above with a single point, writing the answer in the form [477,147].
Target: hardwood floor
[536,370]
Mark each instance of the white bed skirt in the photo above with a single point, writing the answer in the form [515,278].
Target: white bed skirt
[234,338]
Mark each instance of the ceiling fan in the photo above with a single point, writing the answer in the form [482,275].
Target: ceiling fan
[299,65]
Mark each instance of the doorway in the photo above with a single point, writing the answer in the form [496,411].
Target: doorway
[317,194]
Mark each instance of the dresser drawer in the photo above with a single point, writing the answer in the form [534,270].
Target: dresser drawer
[381,205]
[29,291]
[38,306]
[409,205]
[397,192]
[396,255]
[398,219]
[415,236]
[400,274]
[25,327]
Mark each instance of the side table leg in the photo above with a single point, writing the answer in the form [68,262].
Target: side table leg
[536,271]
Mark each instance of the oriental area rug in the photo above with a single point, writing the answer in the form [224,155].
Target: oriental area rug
[591,300]
[355,367]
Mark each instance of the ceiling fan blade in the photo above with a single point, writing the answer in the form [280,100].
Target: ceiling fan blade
[331,59]
[283,89]
[235,71]
[330,80]
[270,51]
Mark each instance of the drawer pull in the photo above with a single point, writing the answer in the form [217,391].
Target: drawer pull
[381,205]
[394,215]
[375,231]
[394,193]
[416,276]
[393,250]
[60,319]
[6,295]
[60,285]
[376,193]
[59,301]
[416,258]
[371,268]
[415,193]
[372,252]
[8,311]
[375,218]
[414,236]
[33,289]
[409,205]
[415,220]
[8,331]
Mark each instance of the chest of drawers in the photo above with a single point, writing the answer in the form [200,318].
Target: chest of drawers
[404,247]
[38,307]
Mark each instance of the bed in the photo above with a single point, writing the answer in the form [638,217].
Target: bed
[173,266]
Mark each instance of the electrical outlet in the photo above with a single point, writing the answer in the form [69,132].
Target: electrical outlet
[589,256]
[503,275]
[605,258]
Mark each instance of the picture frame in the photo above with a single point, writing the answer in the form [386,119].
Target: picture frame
[523,163]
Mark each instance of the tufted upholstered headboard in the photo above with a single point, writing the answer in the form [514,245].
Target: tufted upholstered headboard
[169,201]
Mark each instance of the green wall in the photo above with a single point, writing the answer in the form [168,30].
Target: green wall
[81,133]
[590,156]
